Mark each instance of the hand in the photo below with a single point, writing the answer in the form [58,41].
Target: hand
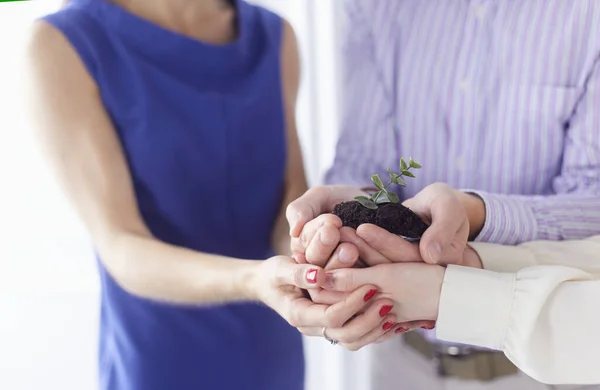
[315,233]
[444,242]
[414,287]
[357,320]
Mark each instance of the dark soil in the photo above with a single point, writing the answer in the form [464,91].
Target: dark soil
[393,217]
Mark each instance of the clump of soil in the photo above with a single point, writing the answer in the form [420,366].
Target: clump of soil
[393,217]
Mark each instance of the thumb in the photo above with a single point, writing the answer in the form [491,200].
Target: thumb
[447,215]
[437,240]
[305,209]
[349,279]
[304,276]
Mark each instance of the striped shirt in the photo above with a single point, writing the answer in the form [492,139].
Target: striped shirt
[498,96]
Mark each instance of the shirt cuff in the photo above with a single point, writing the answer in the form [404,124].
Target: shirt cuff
[502,258]
[475,307]
[508,221]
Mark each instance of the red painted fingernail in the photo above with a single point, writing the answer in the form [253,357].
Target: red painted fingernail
[401,330]
[384,310]
[430,325]
[388,325]
[311,276]
[370,294]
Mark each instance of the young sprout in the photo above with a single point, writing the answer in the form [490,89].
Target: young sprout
[383,195]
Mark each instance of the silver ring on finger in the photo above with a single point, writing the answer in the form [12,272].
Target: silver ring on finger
[324,334]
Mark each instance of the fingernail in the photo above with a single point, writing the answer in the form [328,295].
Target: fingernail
[370,295]
[311,276]
[345,256]
[435,252]
[428,327]
[326,239]
[388,325]
[401,330]
[384,310]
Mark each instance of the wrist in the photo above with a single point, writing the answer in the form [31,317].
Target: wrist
[436,293]
[475,209]
[247,280]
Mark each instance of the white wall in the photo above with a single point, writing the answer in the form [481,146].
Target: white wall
[48,284]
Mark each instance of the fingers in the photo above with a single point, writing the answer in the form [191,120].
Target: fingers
[345,256]
[323,244]
[304,276]
[326,239]
[338,314]
[306,208]
[349,279]
[405,327]
[439,203]
[392,247]
[363,330]
[305,313]
[366,253]
[327,297]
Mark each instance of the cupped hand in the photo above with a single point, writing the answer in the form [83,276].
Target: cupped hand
[444,242]
[357,320]
[314,231]
[446,238]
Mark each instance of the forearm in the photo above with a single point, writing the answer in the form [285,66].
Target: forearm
[152,269]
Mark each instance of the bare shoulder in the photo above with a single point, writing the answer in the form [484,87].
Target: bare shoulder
[50,57]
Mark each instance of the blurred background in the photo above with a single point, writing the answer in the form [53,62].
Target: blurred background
[49,292]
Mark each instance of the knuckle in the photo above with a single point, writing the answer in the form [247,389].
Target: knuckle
[291,209]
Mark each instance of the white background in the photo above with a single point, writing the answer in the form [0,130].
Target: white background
[48,284]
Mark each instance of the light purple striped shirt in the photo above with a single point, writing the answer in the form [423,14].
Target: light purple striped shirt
[498,96]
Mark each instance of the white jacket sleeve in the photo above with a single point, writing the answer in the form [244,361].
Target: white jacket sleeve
[538,302]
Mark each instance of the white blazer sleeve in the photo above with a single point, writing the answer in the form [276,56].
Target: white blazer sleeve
[538,302]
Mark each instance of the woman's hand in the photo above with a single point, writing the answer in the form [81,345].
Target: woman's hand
[414,287]
[355,321]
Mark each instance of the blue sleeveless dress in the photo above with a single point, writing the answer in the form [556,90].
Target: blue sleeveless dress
[202,128]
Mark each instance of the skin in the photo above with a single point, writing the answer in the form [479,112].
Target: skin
[80,145]
[408,273]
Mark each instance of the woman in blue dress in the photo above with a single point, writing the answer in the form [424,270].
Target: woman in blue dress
[170,125]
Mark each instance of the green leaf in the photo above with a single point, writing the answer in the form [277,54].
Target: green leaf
[393,197]
[377,181]
[376,195]
[401,182]
[414,164]
[368,203]
[407,173]
[382,197]
[394,178]
[403,165]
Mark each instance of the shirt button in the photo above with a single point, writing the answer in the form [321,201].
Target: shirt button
[463,85]
[479,11]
